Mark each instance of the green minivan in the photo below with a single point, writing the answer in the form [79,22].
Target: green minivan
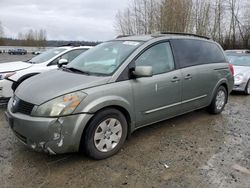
[95,102]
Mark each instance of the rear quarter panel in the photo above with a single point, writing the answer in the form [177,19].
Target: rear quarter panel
[224,76]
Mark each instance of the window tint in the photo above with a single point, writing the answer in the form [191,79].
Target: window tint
[54,62]
[69,56]
[195,52]
[159,57]
[47,55]
[72,54]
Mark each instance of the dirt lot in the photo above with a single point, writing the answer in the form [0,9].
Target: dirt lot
[193,150]
[4,57]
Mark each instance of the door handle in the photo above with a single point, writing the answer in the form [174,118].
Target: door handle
[175,79]
[188,77]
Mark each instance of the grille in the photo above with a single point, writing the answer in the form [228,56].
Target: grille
[22,106]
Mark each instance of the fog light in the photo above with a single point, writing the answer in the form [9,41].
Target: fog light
[56,136]
[33,146]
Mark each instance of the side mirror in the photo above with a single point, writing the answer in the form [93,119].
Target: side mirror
[62,62]
[143,71]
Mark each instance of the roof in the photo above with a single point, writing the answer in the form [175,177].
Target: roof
[135,38]
[160,34]
[75,47]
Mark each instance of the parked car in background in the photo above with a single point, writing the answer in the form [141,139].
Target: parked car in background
[240,59]
[13,73]
[17,52]
[101,97]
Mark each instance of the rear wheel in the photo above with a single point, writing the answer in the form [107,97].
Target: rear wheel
[105,134]
[247,89]
[219,101]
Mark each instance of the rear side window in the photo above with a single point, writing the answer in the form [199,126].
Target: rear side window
[190,52]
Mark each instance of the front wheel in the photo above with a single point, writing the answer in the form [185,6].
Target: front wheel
[219,101]
[105,134]
[247,89]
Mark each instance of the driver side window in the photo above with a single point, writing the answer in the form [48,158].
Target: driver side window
[55,61]
[159,56]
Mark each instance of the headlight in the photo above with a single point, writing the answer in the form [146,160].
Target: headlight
[239,78]
[63,105]
[6,75]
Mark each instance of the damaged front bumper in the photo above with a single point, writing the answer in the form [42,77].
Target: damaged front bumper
[240,86]
[51,135]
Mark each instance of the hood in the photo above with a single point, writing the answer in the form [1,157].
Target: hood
[241,69]
[46,86]
[14,66]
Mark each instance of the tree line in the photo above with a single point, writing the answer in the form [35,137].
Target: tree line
[1,34]
[38,38]
[33,38]
[225,21]
[30,38]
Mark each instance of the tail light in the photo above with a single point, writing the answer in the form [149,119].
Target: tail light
[231,68]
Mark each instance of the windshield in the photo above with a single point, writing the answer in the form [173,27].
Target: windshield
[239,60]
[105,58]
[47,55]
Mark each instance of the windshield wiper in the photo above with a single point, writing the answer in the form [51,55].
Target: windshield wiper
[72,69]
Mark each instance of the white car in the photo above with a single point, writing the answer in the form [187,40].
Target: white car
[240,59]
[13,73]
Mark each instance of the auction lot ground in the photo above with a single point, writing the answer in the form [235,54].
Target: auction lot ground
[4,57]
[193,150]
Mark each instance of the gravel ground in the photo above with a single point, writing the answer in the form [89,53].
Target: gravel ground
[193,150]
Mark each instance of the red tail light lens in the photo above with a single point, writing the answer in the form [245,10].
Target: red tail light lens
[231,68]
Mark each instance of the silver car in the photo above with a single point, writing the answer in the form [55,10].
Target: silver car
[95,102]
[240,59]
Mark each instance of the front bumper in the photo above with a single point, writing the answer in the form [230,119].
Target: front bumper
[52,135]
[5,89]
[239,86]
[4,101]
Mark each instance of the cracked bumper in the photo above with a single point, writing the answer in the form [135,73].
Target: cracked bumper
[52,135]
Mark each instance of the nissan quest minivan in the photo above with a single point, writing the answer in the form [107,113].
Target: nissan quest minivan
[95,102]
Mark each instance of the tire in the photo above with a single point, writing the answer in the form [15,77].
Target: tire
[102,140]
[247,89]
[219,101]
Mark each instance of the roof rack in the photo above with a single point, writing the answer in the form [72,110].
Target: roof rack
[238,51]
[180,33]
[120,36]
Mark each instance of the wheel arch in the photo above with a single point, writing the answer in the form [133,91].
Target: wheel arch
[121,109]
[223,83]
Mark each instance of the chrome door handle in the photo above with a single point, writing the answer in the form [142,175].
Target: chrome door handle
[175,79]
[188,77]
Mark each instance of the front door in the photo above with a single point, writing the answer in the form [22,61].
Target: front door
[158,97]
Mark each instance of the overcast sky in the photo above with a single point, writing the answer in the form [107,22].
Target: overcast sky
[90,20]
